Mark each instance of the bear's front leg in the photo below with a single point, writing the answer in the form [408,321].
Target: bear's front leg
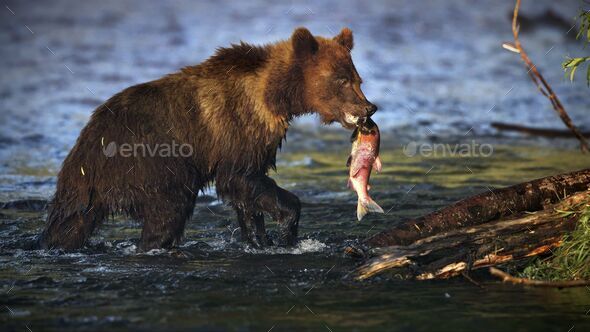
[285,208]
[252,226]
[258,194]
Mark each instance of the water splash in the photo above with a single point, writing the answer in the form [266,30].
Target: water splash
[302,247]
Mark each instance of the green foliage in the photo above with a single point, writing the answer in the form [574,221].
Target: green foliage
[571,260]
[570,65]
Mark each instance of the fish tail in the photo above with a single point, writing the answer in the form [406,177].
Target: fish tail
[361,211]
[365,206]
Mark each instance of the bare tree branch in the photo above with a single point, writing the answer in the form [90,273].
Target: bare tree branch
[538,283]
[543,86]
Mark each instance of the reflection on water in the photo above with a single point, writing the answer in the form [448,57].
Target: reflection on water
[212,281]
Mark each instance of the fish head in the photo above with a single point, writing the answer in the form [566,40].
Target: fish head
[366,135]
[366,130]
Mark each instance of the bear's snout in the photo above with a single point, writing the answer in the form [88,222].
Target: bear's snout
[371,109]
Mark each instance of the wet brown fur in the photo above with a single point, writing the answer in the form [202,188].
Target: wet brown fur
[234,110]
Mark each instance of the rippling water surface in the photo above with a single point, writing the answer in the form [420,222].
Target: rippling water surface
[215,282]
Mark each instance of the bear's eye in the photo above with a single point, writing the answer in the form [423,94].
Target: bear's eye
[343,81]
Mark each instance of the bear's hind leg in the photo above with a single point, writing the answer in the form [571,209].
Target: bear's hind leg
[68,225]
[164,218]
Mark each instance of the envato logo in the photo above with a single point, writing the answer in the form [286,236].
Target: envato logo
[471,149]
[164,150]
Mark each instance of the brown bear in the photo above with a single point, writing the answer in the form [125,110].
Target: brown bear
[229,116]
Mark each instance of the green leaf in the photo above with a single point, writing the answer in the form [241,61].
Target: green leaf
[572,73]
[572,64]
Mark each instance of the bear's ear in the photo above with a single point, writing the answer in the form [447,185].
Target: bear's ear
[345,38]
[304,43]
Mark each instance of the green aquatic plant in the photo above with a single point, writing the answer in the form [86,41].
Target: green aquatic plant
[571,261]
[570,65]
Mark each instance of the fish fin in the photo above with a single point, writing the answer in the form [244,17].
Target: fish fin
[354,169]
[361,211]
[377,164]
[373,207]
[349,161]
[366,206]
[368,187]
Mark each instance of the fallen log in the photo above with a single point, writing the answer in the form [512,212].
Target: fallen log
[491,205]
[450,253]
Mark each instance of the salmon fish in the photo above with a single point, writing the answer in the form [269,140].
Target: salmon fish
[364,157]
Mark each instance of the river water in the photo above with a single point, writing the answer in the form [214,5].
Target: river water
[436,70]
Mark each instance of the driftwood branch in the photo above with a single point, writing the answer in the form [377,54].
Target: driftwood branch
[505,277]
[452,252]
[543,132]
[498,226]
[542,84]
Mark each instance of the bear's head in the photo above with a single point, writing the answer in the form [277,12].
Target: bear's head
[332,86]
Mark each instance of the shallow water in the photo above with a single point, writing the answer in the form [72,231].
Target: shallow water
[214,282]
[439,75]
